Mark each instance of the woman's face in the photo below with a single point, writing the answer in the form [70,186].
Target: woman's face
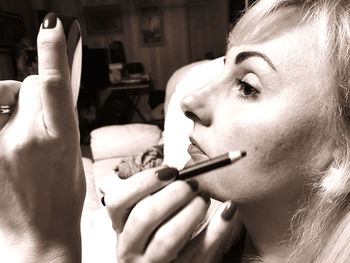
[272,100]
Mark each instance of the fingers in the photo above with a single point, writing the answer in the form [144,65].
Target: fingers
[209,246]
[171,237]
[8,97]
[29,103]
[120,195]
[220,228]
[149,213]
[54,75]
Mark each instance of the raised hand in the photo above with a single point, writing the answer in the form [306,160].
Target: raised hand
[42,185]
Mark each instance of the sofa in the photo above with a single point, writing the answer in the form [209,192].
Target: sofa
[110,144]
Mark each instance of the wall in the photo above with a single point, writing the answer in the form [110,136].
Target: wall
[207,28]
[183,43]
[161,60]
[22,8]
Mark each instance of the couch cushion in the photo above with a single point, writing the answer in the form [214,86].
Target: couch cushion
[123,140]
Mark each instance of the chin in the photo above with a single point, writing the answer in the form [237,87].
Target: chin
[221,184]
[208,182]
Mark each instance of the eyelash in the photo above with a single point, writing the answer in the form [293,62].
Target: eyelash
[243,87]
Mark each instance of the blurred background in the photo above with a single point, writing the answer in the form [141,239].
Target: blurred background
[130,49]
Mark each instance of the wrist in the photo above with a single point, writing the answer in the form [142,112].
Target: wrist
[30,248]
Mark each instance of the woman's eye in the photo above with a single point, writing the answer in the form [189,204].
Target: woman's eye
[247,91]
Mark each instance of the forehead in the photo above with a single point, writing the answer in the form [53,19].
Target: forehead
[253,28]
[284,37]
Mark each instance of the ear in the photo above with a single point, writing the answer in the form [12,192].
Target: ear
[327,154]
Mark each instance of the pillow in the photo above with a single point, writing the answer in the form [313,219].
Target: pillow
[123,140]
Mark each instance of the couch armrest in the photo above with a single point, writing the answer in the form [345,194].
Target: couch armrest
[123,140]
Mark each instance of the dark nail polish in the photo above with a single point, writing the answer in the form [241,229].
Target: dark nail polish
[229,211]
[167,173]
[50,21]
[205,196]
[73,36]
[193,184]
[72,30]
[67,23]
[103,201]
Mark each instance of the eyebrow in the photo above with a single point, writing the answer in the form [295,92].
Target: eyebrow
[248,54]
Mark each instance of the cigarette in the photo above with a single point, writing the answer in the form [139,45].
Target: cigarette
[206,166]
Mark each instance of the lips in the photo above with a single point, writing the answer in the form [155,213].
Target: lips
[197,154]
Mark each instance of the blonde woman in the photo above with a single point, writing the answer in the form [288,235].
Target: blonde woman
[283,97]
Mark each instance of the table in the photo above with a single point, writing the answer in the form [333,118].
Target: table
[132,91]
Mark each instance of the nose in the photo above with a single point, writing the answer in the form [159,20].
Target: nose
[196,106]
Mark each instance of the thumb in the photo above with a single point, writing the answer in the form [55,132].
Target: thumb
[54,74]
[212,243]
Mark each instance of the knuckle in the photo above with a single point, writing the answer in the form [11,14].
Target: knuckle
[142,214]
[162,239]
[55,82]
[167,248]
[180,189]
[125,254]
[179,184]
[200,204]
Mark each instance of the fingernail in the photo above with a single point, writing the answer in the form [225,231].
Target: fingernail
[167,173]
[229,211]
[50,21]
[205,196]
[74,30]
[67,23]
[193,184]
[73,37]
[103,201]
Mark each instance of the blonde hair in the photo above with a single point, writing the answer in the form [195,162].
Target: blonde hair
[322,227]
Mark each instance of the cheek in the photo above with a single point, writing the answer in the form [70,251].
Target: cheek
[274,135]
[283,145]
[279,146]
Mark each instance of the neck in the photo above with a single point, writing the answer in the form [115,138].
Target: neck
[268,224]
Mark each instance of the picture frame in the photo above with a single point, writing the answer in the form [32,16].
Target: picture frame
[103,19]
[151,25]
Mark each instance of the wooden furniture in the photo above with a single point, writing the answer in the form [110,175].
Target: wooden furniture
[128,92]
